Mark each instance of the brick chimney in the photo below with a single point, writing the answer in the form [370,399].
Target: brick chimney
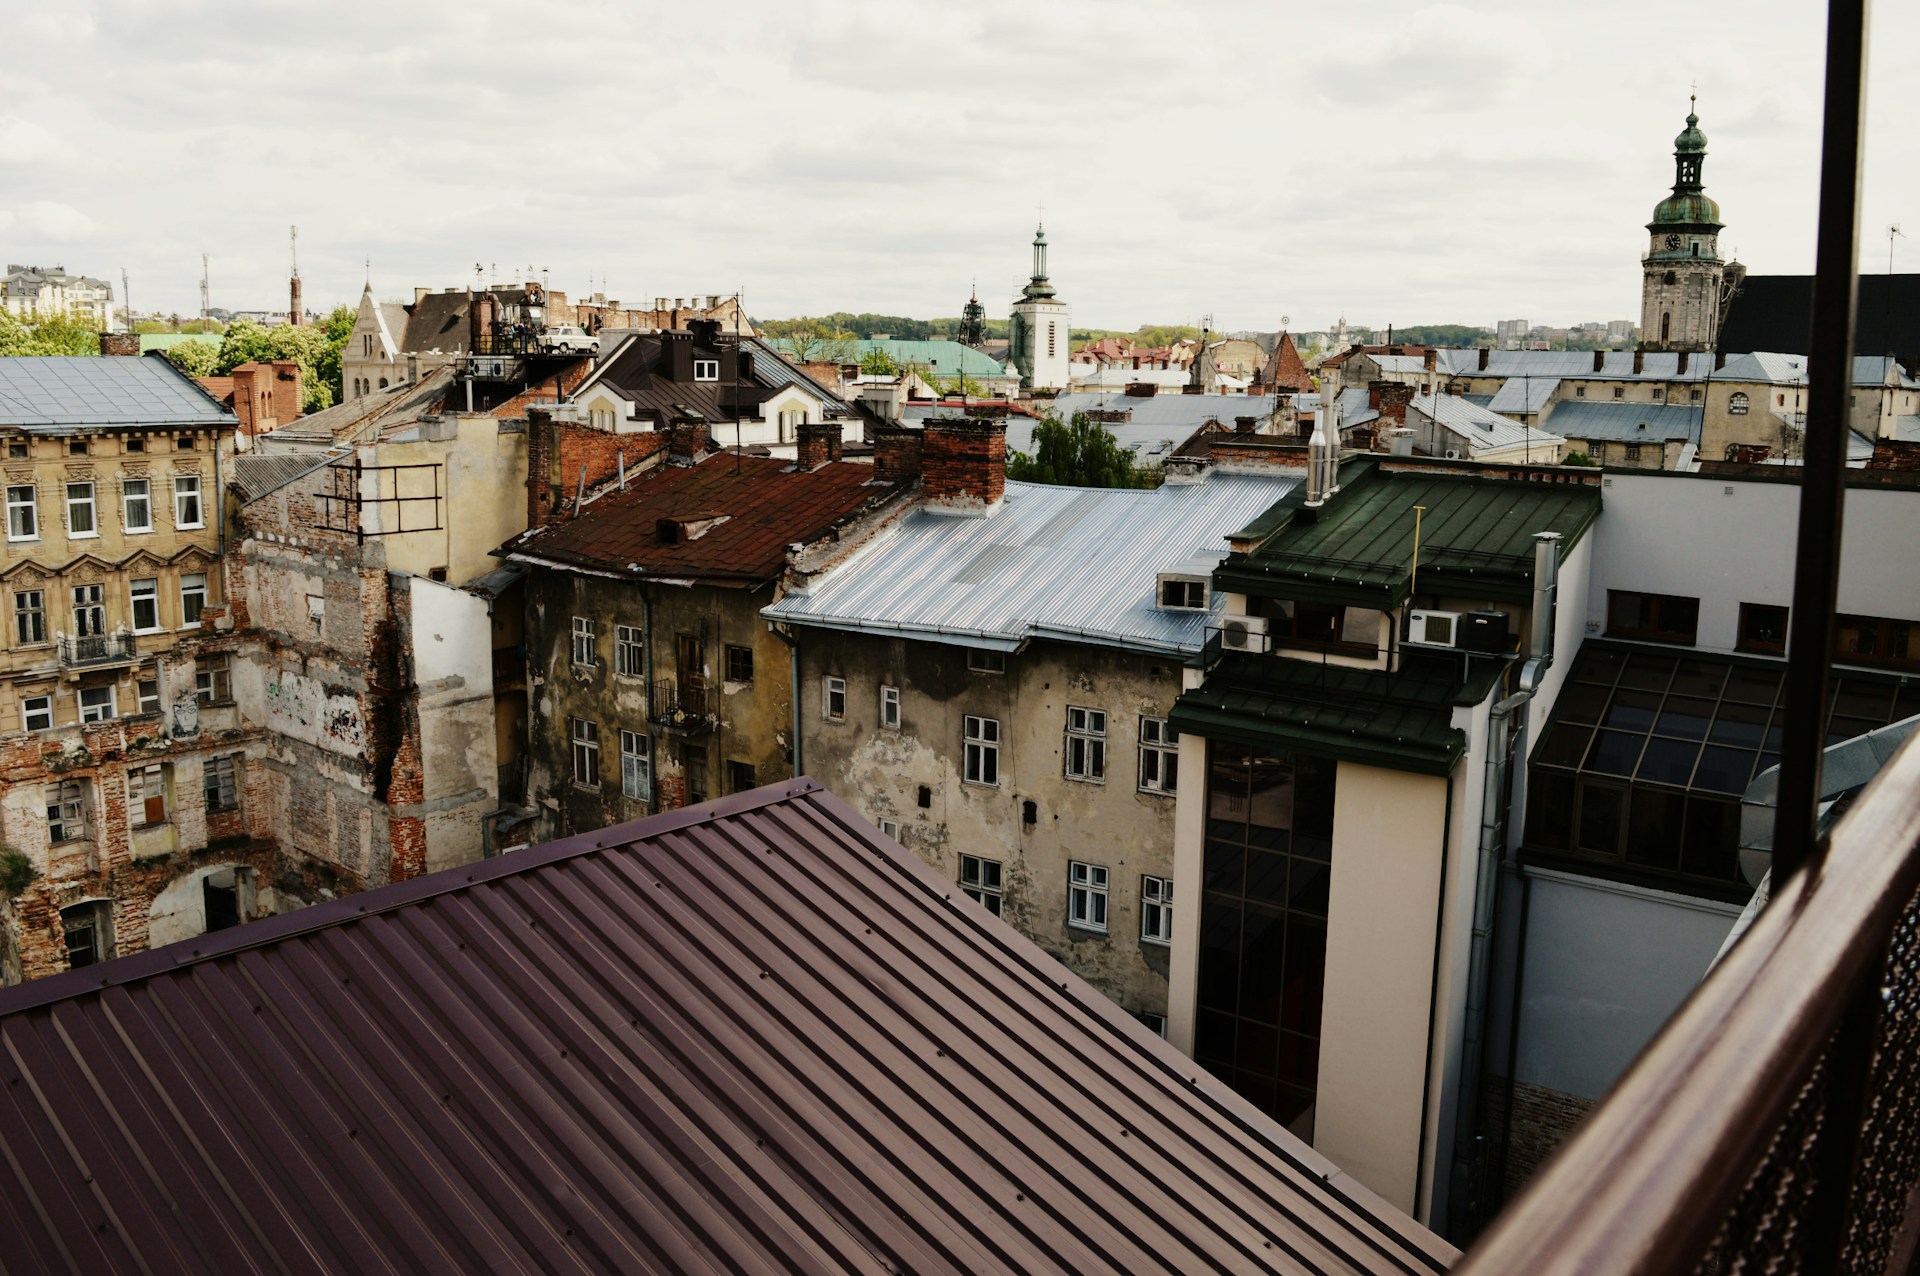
[120,344]
[819,444]
[1486,352]
[1373,394]
[1393,401]
[1682,371]
[543,465]
[687,443]
[896,453]
[963,468]
[1719,360]
[1639,360]
[1431,359]
[1599,360]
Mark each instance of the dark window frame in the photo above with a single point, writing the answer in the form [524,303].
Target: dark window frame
[1664,617]
[1756,621]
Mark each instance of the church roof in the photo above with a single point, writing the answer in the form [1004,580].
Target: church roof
[1284,370]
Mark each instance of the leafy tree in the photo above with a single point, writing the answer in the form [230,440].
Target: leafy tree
[1076,453]
[338,329]
[878,363]
[812,340]
[962,384]
[195,358]
[248,342]
[1578,458]
[1440,334]
[58,334]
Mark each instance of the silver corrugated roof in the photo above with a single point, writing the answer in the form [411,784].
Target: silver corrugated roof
[1481,427]
[1523,395]
[1159,423]
[51,392]
[1072,563]
[1625,422]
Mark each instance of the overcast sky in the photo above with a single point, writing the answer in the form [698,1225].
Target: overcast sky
[1393,162]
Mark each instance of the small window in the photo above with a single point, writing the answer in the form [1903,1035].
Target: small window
[146,604]
[80,510]
[36,713]
[220,782]
[76,447]
[983,661]
[1738,403]
[636,766]
[136,446]
[1156,1022]
[739,664]
[89,930]
[584,737]
[1156,910]
[16,449]
[147,795]
[586,654]
[980,880]
[96,704]
[30,616]
[981,750]
[213,678]
[1619,392]
[1159,756]
[833,700]
[1086,896]
[706,369]
[889,706]
[23,513]
[1086,745]
[1659,394]
[1693,396]
[1633,451]
[1658,617]
[1579,392]
[739,776]
[186,497]
[67,811]
[629,652]
[1182,593]
[891,828]
[136,504]
[147,694]
[1877,640]
[193,598]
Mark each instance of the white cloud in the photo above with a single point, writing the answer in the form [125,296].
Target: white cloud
[46,221]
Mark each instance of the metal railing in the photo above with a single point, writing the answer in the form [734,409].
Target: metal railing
[96,649]
[686,705]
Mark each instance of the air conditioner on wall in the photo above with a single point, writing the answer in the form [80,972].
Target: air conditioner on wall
[1434,629]
[1243,633]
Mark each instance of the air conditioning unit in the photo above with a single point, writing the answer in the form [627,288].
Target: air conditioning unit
[1243,633]
[1434,629]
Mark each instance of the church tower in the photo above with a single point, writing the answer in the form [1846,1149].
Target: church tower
[1680,294]
[1041,337]
[973,321]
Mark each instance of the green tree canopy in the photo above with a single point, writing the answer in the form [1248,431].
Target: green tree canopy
[249,342]
[1076,453]
[62,334]
[195,358]
[878,363]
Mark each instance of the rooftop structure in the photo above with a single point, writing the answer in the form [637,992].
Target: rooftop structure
[45,393]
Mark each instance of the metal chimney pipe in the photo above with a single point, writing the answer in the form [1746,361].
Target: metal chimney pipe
[1546,592]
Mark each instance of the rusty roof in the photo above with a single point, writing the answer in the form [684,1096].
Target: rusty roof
[766,505]
[751,1036]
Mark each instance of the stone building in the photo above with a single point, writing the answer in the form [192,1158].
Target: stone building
[1041,336]
[653,679]
[46,291]
[131,801]
[991,684]
[1684,281]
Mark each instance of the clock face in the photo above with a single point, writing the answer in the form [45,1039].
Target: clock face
[1673,243]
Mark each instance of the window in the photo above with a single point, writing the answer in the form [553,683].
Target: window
[585,738]
[67,811]
[739,664]
[980,661]
[96,704]
[1086,744]
[36,713]
[1159,756]
[213,678]
[1658,617]
[629,652]
[76,447]
[982,751]
[147,694]
[636,766]
[586,653]
[147,795]
[1619,392]
[1738,404]
[80,511]
[1762,628]
[30,616]
[1183,594]
[1693,396]
[186,498]
[891,828]
[16,450]
[136,504]
[146,605]
[193,598]
[1155,1021]
[1659,394]
[1355,630]
[1086,895]
[23,513]
[1156,910]
[706,369]
[980,880]
[889,706]
[219,782]
[1599,453]
[833,699]
[739,776]
[1875,640]
[693,764]
[1579,392]
[134,446]
[89,929]
[1633,451]
[89,611]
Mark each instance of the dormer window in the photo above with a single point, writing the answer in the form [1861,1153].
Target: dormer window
[706,369]
[1184,593]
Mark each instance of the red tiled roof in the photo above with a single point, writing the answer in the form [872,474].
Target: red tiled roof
[751,1036]
[221,388]
[1285,371]
[769,505]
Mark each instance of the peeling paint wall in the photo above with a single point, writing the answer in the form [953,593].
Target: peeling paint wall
[447,638]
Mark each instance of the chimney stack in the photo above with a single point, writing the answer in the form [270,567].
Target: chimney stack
[963,464]
[1639,359]
[1431,359]
[1323,456]
[120,344]
[819,444]
[687,443]
[1599,360]
[1719,360]
[896,453]
[1682,371]
[1486,352]
[296,313]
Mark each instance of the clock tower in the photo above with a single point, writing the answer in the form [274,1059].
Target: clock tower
[1683,274]
[1040,332]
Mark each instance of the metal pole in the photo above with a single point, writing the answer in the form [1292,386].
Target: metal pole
[1824,466]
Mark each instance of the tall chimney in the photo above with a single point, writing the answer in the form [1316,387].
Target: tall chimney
[1682,370]
[296,313]
[1546,589]
[1599,360]
[819,444]
[963,464]
[1485,353]
[1639,359]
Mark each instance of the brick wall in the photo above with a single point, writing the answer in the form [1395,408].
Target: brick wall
[1543,1119]
[963,463]
[1894,454]
[556,452]
[819,444]
[896,453]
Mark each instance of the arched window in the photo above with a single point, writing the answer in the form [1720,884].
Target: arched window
[1666,327]
[1737,405]
[383,383]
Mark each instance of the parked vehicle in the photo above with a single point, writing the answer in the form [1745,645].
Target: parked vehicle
[568,339]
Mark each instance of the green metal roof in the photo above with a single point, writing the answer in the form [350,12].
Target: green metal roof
[1688,208]
[1403,720]
[1476,536]
[944,358]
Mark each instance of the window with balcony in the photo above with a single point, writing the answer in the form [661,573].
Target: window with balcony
[146,604]
[193,598]
[81,520]
[136,504]
[89,611]
[23,513]
[29,617]
[1653,617]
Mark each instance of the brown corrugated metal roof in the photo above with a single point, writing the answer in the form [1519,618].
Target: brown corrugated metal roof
[754,1036]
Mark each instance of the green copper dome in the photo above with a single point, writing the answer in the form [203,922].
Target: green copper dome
[1690,209]
[1688,205]
[1691,140]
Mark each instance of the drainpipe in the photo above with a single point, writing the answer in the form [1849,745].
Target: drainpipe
[793,650]
[646,674]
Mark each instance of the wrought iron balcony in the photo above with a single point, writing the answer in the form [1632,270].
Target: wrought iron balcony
[684,706]
[96,649]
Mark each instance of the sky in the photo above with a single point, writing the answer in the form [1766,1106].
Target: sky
[1263,163]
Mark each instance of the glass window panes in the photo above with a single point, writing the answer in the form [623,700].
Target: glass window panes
[980,880]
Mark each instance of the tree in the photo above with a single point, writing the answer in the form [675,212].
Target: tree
[1076,453]
[962,384]
[1578,458]
[55,334]
[248,342]
[810,341]
[878,363]
[195,358]
[338,330]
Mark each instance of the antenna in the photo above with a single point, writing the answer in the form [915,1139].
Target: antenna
[296,311]
[126,297]
[293,248]
[1886,305]
[206,310]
